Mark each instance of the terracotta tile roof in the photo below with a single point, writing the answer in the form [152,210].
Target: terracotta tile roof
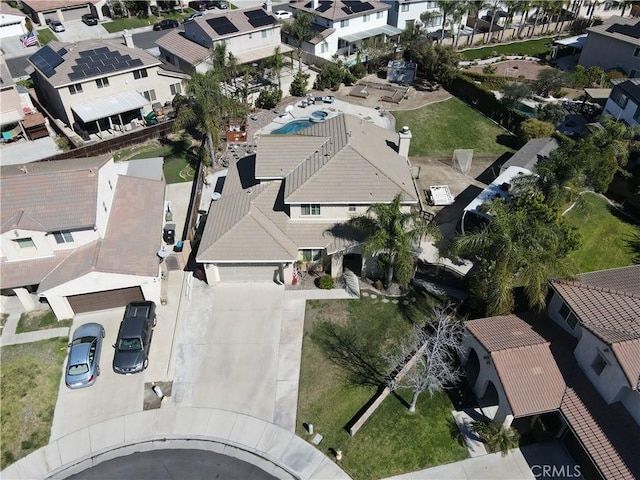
[623,279]
[608,433]
[530,377]
[29,272]
[40,6]
[339,10]
[50,196]
[6,9]
[628,356]
[505,332]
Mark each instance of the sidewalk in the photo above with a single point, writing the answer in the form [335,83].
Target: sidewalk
[10,337]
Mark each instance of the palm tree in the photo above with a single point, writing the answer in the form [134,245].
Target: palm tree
[277,64]
[473,8]
[525,7]
[300,30]
[494,8]
[593,4]
[456,17]
[512,7]
[394,234]
[538,5]
[447,7]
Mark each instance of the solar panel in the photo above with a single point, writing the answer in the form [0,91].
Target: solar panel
[259,18]
[352,6]
[85,53]
[323,6]
[222,25]
[628,30]
[46,60]
[76,75]
[92,71]
[62,52]
[95,62]
[135,63]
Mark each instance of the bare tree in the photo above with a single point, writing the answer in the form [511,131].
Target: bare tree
[428,359]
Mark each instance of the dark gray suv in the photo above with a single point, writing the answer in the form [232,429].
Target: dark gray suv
[134,338]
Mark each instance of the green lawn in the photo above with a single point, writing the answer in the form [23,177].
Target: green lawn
[530,47]
[45,35]
[440,128]
[606,237]
[30,378]
[393,440]
[40,320]
[175,152]
[120,24]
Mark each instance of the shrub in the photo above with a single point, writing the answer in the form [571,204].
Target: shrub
[326,282]
[496,437]
[330,77]
[378,285]
[269,98]
[534,128]
[349,78]
[489,69]
[299,84]
[63,143]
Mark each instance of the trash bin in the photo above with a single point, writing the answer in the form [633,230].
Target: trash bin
[169,233]
[178,247]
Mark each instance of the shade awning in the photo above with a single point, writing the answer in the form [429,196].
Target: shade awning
[106,107]
[388,30]
[575,42]
[256,54]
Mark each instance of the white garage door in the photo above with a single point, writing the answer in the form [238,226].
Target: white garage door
[247,273]
[11,29]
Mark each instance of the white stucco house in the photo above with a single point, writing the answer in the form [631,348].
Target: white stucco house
[79,235]
[342,26]
[290,201]
[250,34]
[623,103]
[405,12]
[101,84]
[580,362]
[64,10]
[12,21]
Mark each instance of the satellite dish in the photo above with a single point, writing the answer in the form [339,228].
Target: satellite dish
[215,196]
[289,108]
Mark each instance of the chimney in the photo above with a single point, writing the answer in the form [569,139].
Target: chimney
[128,38]
[404,140]
[315,4]
[267,6]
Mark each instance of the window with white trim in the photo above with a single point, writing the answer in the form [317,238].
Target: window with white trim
[324,47]
[634,74]
[25,242]
[175,88]
[142,73]
[63,236]
[404,7]
[619,97]
[150,95]
[636,52]
[599,364]
[344,23]
[352,208]
[310,209]
[379,15]
[311,255]
[366,18]
[74,89]
[568,316]
[102,82]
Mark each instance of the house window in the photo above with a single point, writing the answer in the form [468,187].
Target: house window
[310,209]
[267,33]
[342,43]
[568,315]
[311,255]
[619,97]
[150,95]
[366,18]
[344,23]
[352,208]
[77,88]
[379,15]
[433,21]
[176,89]
[324,47]
[404,7]
[636,52]
[102,82]
[142,73]
[110,185]
[63,236]
[25,243]
[634,74]
[599,363]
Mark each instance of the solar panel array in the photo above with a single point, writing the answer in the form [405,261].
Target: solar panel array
[99,61]
[323,6]
[356,7]
[46,60]
[222,25]
[259,18]
[628,30]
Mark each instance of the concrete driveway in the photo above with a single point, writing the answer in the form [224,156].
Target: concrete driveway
[239,349]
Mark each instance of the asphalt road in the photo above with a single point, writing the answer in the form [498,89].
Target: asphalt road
[172,465]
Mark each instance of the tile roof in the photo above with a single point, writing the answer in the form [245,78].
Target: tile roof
[626,29]
[40,6]
[340,10]
[6,9]
[237,17]
[29,272]
[74,53]
[6,80]
[175,42]
[623,279]
[50,196]
[505,332]
[132,239]
[273,161]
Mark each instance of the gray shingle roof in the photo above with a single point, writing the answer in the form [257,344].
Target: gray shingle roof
[339,10]
[531,153]
[50,196]
[626,29]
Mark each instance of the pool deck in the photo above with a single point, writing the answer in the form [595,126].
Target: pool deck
[378,117]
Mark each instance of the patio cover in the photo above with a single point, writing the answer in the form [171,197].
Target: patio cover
[575,42]
[106,107]
[259,53]
[374,32]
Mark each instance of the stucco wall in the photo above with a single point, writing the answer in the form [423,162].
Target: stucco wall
[553,312]
[625,114]
[608,53]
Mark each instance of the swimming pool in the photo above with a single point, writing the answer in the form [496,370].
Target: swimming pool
[292,127]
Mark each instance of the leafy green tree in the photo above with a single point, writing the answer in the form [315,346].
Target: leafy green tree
[269,98]
[394,233]
[299,84]
[447,9]
[436,62]
[412,35]
[474,7]
[552,113]
[514,92]
[534,128]
[549,80]
[330,77]
[276,63]
[301,31]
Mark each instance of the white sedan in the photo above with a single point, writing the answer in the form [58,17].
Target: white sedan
[282,14]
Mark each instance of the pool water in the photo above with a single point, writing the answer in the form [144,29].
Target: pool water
[292,127]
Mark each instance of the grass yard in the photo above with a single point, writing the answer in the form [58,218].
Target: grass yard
[40,320]
[607,236]
[331,392]
[30,378]
[531,48]
[176,167]
[440,128]
[45,35]
[120,24]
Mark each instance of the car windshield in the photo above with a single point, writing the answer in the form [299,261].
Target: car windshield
[79,369]
[130,344]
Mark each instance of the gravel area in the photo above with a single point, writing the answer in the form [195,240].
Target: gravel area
[514,68]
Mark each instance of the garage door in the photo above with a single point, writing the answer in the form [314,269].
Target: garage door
[11,29]
[75,13]
[247,273]
[90,302]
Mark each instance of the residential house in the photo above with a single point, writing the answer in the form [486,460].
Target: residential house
[579,363]
[79,235]
[250,34]
[63,10]
[614,45]
[101,85]
[342,26]
[12,21]
[624,101]
[405,12]
[289,203]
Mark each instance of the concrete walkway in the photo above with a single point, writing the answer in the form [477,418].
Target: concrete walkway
[10,337]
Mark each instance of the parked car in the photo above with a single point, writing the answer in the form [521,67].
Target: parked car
[134,338]
[282,14]
[193,17]
[165,25]
[83,363]
[89,19]
[220,4]
[198,6]
[56,25]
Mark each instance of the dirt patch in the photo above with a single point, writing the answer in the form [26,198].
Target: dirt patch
[514,68]
[335,311]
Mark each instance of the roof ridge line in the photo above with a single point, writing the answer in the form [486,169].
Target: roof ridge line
[587,286]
